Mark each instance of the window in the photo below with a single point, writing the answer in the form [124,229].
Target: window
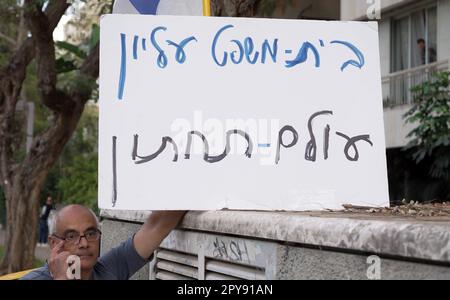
[414,40]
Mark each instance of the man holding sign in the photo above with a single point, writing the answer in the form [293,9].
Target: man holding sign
[75,242]
[75,247]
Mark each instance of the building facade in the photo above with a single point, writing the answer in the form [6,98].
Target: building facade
[414,43]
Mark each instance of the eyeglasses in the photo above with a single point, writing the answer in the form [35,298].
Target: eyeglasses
[73,237]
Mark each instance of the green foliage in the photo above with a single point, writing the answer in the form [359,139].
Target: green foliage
[70,59]
[36,264]
[73,81]
[71,48]
[9,18]
[431,113]
[95,36]
[64,66]
[79,183]
[266,8]
[74,179]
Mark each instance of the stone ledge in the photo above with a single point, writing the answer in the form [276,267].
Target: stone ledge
[422,239]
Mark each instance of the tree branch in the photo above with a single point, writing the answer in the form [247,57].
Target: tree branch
[91,64]
[26,51]
[42,34]
[11,81]
[89,69]
[39,26]
[8,39]
[51,143]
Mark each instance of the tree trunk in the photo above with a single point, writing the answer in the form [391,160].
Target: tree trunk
[23,180]
[21,228]
[22,194]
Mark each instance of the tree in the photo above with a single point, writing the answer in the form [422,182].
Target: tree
[247,8]
[22,176]
[79,29]
[74,178]
[431,136]
[234,8]
[22,179]
[77,173]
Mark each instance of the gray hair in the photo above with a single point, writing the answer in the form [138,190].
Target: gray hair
[54,216]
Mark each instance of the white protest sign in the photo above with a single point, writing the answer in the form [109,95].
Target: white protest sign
[202,113]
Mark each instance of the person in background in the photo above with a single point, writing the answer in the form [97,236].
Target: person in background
[43,221]
[432,55]
[50,220]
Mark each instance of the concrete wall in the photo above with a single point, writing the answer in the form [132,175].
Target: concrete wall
[297,263]
[315,245]
[114,233]
[395,128]
[384,29]
[443,34]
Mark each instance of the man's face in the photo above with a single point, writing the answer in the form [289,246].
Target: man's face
[77,222]
[421,45]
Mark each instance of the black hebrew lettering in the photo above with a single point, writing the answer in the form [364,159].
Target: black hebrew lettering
[351,143]
[326,144]
[311,147]
[281,142]
[145,159]
[218,158]
[114,164]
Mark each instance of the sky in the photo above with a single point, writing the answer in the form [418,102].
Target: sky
[58,34]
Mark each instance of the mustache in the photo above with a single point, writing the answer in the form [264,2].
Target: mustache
[83,254]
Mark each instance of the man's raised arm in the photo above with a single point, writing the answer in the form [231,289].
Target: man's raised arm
[158,225]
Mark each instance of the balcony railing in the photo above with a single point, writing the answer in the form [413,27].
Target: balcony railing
[397,86]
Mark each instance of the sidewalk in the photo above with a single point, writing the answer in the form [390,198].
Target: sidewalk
[41,253]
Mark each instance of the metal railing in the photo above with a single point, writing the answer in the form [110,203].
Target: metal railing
[397,86]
